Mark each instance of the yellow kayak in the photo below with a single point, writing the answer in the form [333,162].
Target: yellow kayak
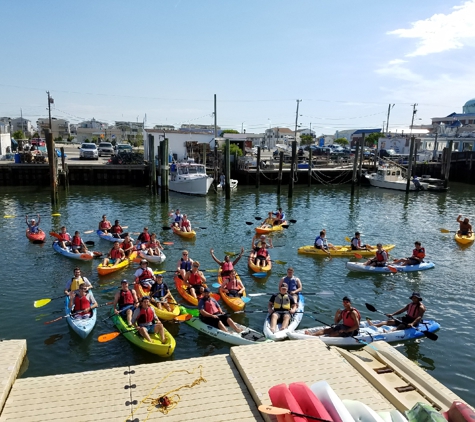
[464,239]
[267,230]
[235,303]
[110,268]
[186,235]
[341,251]
[257,268]
[163,314]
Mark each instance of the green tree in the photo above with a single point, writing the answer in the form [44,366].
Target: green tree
[341,141]
[372,138]
[36,135]
[138,140]
[18,134]
[306,139]
[233,149]
[229,131]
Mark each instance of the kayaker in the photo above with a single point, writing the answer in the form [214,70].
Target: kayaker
[115,255]
[184,264]
[356,243]
[77,244]
[281,307]
[153,246]
[212,314]
[415,311]
[117,230]
[104,225]
[143,239]
[147,320]
[256,244]
[185,225]
[262,255]
[350,322]
[176,217]
[279,217]
[226,266]
[81,302]
[380,259]
[73,284]
[64,238]
[144,275]
[232,286]
[127,245]
[33,225]
[294,285]
[125,298]
[321,243]
[194,280]
[269,221]
[465,228]
[159,293]
[418,255]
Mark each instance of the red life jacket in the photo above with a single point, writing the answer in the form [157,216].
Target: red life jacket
[105,225]
[211,306]
[125,298]
[194,279]
[380,256]
[419,253]
[127,245]
[115,253]
[232,284]
[81,303]
[152,245]
[147,274]
[262,252]
[347,319]
[144,237]
[116,229]
[146,316]
[185,223]
[413,310]
[227,267]
[65,237]
[76,241]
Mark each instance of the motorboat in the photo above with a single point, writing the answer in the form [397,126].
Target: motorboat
[390,176]
[189,178]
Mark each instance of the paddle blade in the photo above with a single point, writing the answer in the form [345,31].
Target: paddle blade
[54,320]
[183,318]
[167,243]
[285,226]
[280,262]
[348,239]
[249,223]
[41,302]
[88,232]
[293,221]
[89,243]
[430,336]
[258,218]
[166,228]
[85,256]
[370,307]
[358,255]
[159,272]
[259,275]
[215,296]
[108,337]
[137,260]
[97,254]
[246,299]
[259,294]
[444,231]
[38,242]
[272,410]
[230,253]
[392,269]
[56,235]
[212,271]
[216,285]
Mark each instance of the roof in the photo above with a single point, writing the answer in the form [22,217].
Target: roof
[360,131]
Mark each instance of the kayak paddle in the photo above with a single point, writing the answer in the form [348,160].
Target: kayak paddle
[272,410]
[65,316]
[42,302]
[324,293]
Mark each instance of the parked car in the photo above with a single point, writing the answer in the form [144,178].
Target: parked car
[123,148]
[88,151]
[105,148]
[387,153]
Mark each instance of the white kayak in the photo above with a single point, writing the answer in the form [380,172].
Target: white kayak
[248,336]
[361,412]
[87,256]
[81,326]
[358,266]
[153,259]
[332,402]
[369,333]
[294,323]
[109,237]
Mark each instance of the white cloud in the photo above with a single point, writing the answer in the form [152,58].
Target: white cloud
[442,32]
[397,61]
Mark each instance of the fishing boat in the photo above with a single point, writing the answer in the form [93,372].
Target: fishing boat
[390,176]
[340,251]
[188,178]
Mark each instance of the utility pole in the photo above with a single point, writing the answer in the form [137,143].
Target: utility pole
[390,106]
[293,167]
[50,101]
[411,150]
[215,147]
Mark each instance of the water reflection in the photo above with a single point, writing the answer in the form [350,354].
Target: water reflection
[413,352]
[53,339]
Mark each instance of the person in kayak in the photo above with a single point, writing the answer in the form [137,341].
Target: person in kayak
[184,264]
[281,307]
[232,286]
[144,275]
[104,225]
[33,225]
[125,300]
[153,246]
[177,217]
[159,293]
[279,217]
[294,285]
[465,228]
[147,321]
[356,243]
[77,244]
[262,255]
[127,245]
[415,311]
[185,225]
[257,243]
[269,221]
[212,314]
[194,280]
[117,230]
[76,281]
[350,322]
[380,259]
[226,266]
[418,255]
[64,238]
[81,302]
[322,243]
[115,255]
[143,239]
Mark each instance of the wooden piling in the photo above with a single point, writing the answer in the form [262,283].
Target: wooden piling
[258,167]
[361,159]
[355,168]
[293,166]
[164,171]
[279,177]
[448,157]
[53,177]
[153,168]
[409,165]
[227,169]
[309,176]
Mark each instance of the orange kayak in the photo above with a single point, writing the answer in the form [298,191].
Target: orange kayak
[163,314]
[110,268]
[258,269]
[183,291]
[40,236]
[235,303]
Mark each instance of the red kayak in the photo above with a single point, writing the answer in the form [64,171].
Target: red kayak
[281,396]
[308,401]
[40,236]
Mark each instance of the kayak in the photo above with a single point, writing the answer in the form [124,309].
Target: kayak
[156,346]
[361,412]
[464,239]
[294,323]
[308,401]
[181,287]
[280,396]
[110,268]
[358,266]
[40,236]
[185,235]
[153,259]
[163,314]
[235,303]
[109,237]
[81,327]
[267,230]
[331,401]
[369,333]
[70,254]
[341,251]
[258,269]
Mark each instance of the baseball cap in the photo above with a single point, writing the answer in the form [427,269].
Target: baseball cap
[206,290]
[416,294]
[125,281]
[347,298]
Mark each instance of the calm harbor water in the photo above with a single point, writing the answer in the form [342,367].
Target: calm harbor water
[30,272]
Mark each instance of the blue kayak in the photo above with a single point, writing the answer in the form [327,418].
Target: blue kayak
[81,326]
[358,266]
[87,256]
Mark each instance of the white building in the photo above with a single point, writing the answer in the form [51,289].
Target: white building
[59,127]
[24,125]
[5,140]
[280,135]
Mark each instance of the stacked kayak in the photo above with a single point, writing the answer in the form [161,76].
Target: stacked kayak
[464,239]
[294,323]
[110,268]
[357,266]
[156,346]
[235,303]
[39,236]
[369,333]
[257,268]
[267,230]
[81,326]
[153,259]
[70,254]
[109,237]
[163,314]
[182,289]
[185,235]
[341,251]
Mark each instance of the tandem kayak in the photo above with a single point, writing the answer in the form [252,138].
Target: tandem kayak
[39,237]
[81,326]
[153,259]
[341,251]
[110,268]
[87,256]
[294,323]
[267,230]
[156,346]
[464,239]
[358,266]
[109,237]
[369,333]
[235,303]
[185,235]
[257,268]
[162,314]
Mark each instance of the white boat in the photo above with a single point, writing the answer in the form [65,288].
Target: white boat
[153,259]
[189,178]
[233,182]
[294,323]
[390,177]
[361,267]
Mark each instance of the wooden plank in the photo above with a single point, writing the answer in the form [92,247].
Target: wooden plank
[12,353]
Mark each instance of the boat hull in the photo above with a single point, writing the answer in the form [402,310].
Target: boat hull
[153,259]
[267,230]
[235,303]
[108,237]
[340,251]
[110,268]
[185,235]
[82,327]
[294,323]
[163,314]
[355,266]
[68,253]
[40,236]
[258,269]
[463,239]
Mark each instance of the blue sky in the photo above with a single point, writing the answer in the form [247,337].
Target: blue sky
[346,60]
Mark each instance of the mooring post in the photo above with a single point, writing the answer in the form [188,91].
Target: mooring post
[164,171]
[151,160]
[361,159]
[258,167]
[279,177]
[293,168]
[449,159]
[227,169]
[309,182]
[409,165]
[53,177]
[355,168]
